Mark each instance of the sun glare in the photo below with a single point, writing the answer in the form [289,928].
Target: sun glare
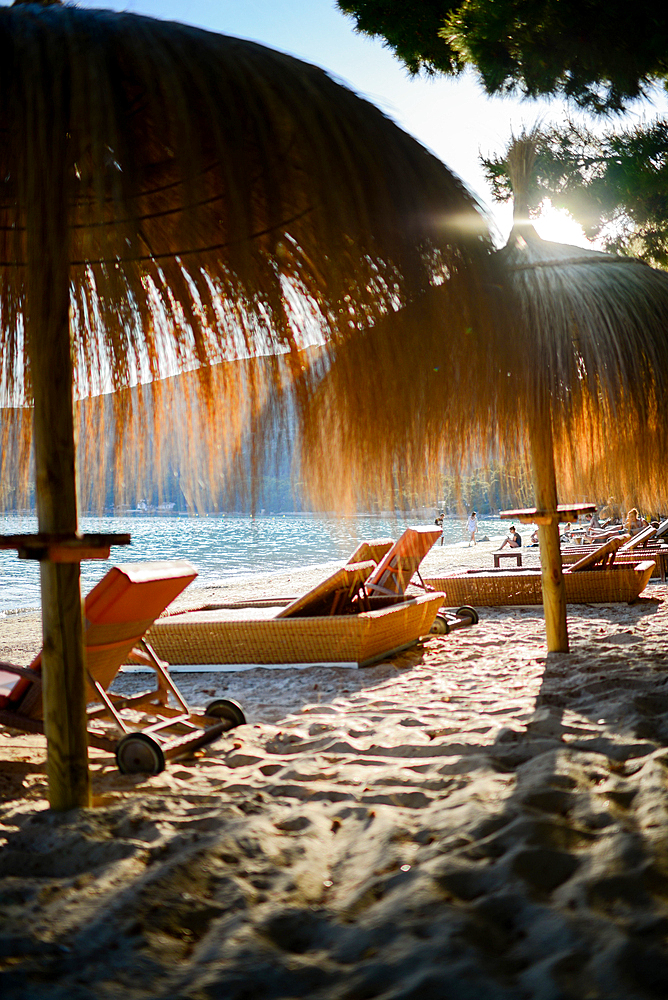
[558,226]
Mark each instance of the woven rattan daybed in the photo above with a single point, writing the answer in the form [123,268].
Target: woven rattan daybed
[642,546]
[595,579]
[243,636]
[489,588]
[355,617]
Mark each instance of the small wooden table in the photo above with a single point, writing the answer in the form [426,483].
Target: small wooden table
[510,554]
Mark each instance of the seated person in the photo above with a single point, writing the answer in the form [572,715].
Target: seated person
[534,538]
[513,541]
[633,523]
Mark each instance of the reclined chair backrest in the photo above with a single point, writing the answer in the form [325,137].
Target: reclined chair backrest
[604,553]
[117,612]
[640,539]
[121,608]
[662,530]
[332,595]
[336,593]
[374,550]
[396,569]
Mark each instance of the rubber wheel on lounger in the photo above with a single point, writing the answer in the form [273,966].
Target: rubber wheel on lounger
[224,708]
[139,753]
[440,626]
[466,611]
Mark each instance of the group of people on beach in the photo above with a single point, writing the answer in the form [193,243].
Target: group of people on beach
[602,525]
[608,523]
[471,526]
[600,530]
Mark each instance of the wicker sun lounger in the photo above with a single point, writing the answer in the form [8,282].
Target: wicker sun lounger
[222,637]
[355,617]
[642,546]
[586,582]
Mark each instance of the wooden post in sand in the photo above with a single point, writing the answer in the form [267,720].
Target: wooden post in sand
[545,487]
[50,355]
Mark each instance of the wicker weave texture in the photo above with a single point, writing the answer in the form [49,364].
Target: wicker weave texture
[571,554]
[342,638]
[511,587]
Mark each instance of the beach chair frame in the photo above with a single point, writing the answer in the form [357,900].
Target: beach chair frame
[142,730]
[401,563]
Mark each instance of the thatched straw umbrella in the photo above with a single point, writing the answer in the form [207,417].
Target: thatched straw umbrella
[596,326]
[170,197]
[578,362]
[599,326]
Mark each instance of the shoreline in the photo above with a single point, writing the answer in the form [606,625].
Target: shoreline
[450,559]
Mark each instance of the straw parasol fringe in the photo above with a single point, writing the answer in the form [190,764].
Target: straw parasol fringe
[171,198]
[174,205]
[132,442]
[588,335]
[573,370]
[176,208]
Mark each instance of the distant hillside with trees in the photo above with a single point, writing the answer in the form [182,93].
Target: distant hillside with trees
[188,466]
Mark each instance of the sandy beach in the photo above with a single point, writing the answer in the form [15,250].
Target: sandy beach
[470,819]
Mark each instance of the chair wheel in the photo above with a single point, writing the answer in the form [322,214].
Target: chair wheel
[224,708]
[440,626]
[466,611]
[139,753]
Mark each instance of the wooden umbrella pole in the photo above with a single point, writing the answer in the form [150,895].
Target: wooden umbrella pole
[50,354]
[545,486]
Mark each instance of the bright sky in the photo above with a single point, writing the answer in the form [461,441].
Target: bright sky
[452,117]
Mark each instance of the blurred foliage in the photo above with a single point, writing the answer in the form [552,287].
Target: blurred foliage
[600,55]
[615,184]
[411,28]
[486,490]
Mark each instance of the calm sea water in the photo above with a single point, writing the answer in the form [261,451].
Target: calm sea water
[222,547]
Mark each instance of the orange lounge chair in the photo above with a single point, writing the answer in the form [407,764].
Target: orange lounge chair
[117,613]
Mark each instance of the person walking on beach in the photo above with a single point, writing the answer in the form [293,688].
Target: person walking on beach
[513,541]
[439,522]
[472,527]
